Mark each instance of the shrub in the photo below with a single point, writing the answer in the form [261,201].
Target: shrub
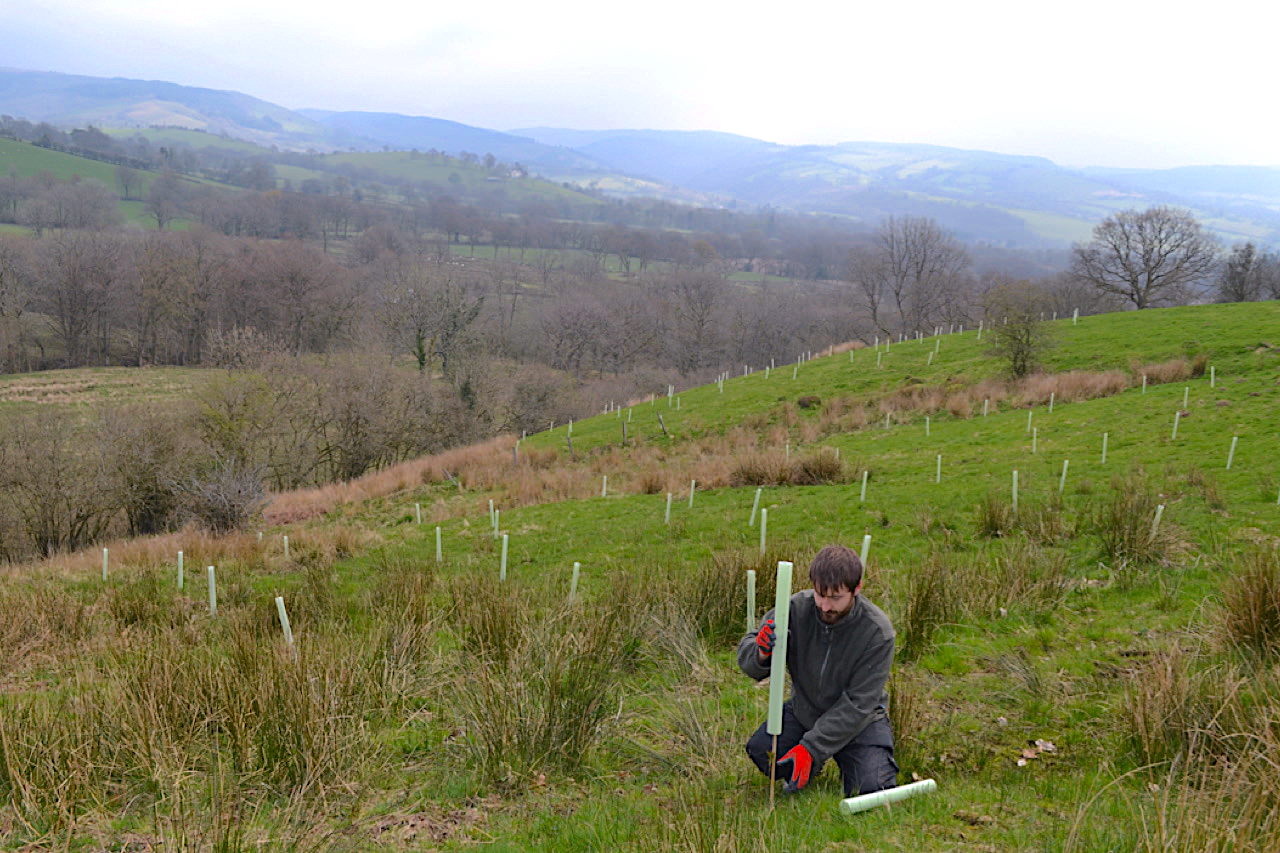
[225,498]
[816,469]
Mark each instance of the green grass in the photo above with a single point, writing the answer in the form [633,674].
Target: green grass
[26,160]
[406,165]
[195,138]
[669,772]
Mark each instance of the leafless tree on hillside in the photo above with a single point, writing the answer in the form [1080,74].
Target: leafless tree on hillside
[1150,257]
[1248,275]
[917,266]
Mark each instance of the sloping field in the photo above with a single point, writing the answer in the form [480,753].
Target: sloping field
[1075,674]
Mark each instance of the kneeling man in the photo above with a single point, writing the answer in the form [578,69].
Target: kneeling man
[839,650]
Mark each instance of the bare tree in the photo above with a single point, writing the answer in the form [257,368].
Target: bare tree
[164,200]
[1248,275]
[79,271]
[128,180]
[696,299]
[869,275]
[1148,257]
[430,313]
[919,267]
[1018,333]
[15,297]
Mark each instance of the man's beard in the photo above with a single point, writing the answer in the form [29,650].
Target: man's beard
[834,616]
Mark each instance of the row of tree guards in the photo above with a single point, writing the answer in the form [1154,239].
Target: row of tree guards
[673,399]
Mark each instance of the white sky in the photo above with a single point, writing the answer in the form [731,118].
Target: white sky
[1093,82]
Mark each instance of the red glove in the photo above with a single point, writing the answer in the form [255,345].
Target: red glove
[765,640]
[801,767]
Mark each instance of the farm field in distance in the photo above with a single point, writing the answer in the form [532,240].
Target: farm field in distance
[1073,672]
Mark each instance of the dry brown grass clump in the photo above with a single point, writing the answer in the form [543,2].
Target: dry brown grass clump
[820,467]
[287,507]
[764,468]
[1173,370]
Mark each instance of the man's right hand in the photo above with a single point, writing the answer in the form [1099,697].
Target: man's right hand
[764,641]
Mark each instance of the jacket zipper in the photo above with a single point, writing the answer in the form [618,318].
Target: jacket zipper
[822,673]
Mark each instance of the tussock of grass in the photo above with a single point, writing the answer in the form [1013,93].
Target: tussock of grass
[544,704]
[1123,523]
[1249,618]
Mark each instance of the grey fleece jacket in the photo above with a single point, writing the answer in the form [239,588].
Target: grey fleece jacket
[838,672]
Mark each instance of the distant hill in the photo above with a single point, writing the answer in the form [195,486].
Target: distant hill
[422,133]
[982,196]
[72,99]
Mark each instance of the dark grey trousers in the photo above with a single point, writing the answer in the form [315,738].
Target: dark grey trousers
[866,765]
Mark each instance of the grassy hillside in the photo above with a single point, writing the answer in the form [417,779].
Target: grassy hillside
[432,705]
[408,165]
[26,160]
[90,385]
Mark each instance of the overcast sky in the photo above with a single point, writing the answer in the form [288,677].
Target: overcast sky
[1094,82]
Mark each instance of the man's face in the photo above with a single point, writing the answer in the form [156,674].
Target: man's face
[834,604]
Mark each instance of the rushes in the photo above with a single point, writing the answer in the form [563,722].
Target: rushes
[142,724]
[1250,613]
[543,707]
[1124,523]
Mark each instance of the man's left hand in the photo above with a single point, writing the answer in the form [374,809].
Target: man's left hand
[801,767]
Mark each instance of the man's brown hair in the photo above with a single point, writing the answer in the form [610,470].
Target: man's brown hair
[833,567]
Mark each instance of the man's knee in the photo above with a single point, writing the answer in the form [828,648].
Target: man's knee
[870,769]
